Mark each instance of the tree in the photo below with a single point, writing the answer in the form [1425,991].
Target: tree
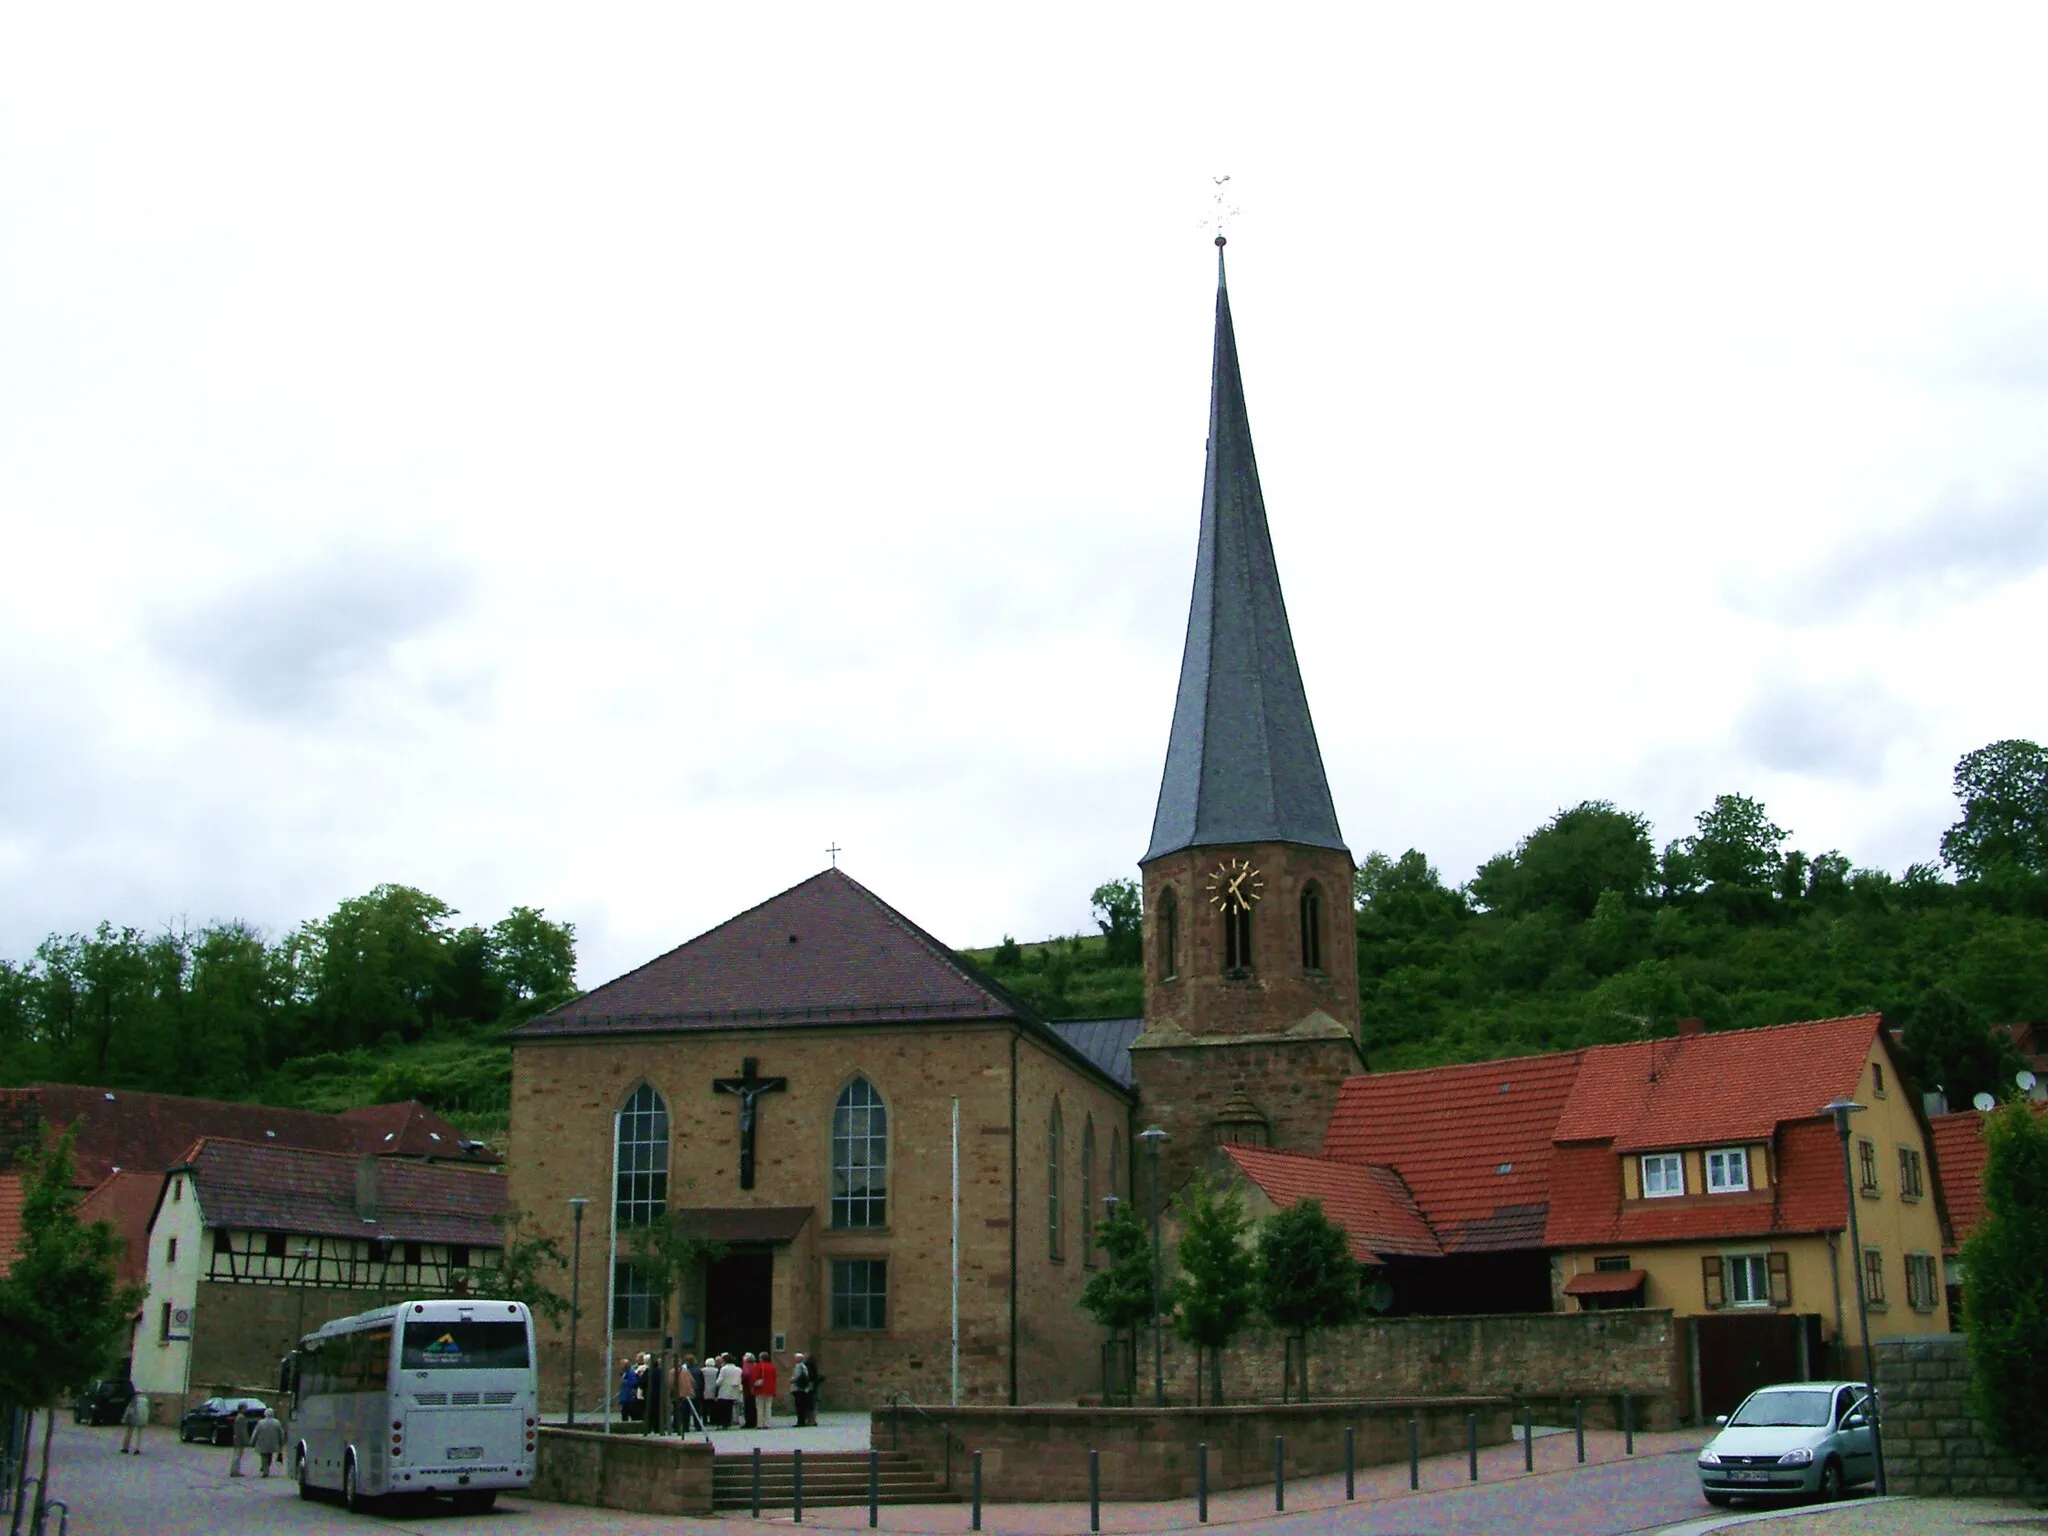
[1736,844]
[2005,1300]
[1214,1293]
[1947,1045]
[2004,825]
[1119,1295]
[63,1313]
[376,964]
[535,958]
[1569,861]
[1305,1275]
[521,1266]
[1119,908]
[669,1258]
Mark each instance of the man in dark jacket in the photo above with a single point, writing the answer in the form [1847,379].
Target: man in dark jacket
[803,1387]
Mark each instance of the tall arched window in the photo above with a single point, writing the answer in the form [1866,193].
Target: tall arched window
[1088,1191]
[1116,1163]
[860,1157]
[1311,927]
[641,1195]
[1053,1135]
[1237,941]
[1168,930]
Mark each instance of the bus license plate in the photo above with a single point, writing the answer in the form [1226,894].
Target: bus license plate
[465,1453]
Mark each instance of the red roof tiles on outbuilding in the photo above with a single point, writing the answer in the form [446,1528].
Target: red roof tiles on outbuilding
[1371,1204]
[126,1202]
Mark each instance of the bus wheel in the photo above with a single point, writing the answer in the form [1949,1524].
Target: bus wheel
[358,1503]
[305,1487]
[477,1501]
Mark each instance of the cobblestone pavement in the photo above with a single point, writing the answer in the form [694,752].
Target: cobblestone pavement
[1881,1517]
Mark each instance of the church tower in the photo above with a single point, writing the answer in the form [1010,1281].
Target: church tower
[1251,970]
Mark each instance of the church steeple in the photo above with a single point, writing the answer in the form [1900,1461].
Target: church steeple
[1242,764]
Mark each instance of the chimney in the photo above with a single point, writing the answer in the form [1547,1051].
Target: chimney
[366,1187]
[1688,1028]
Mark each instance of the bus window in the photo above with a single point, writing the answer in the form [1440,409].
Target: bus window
[377,1360]
[464,1346]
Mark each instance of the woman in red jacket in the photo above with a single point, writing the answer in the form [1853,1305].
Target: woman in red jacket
[765,1383]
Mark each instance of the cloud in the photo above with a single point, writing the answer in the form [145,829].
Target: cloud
[1839,729]
[288,640]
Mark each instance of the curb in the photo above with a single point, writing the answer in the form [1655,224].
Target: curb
[1846,1507]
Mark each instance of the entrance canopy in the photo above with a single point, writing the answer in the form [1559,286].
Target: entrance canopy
[742,1223]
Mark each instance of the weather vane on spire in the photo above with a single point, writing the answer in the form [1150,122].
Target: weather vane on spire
[1225,211]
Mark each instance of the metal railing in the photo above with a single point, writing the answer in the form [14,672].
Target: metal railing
[897,1404]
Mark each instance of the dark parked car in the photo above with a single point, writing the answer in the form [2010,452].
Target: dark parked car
[103,1402]
[214,1419]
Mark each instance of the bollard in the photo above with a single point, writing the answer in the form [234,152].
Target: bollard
[874,1489]
[796,1475]
[1472,1445]
[1579,1425]
[977,1490]
[1628,1424]
[1414,1459]
[1095,1490]
[1280,1472]
[1350,1464]
[1528,1442]
[757,1482]
[1202,1482]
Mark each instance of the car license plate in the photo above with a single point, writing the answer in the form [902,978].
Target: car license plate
[465,1453]
[1749,1477]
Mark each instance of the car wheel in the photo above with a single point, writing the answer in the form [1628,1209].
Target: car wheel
[1718,1500]
[1831,1481]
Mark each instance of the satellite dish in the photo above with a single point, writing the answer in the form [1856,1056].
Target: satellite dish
[1985,1103]
[2026,1081]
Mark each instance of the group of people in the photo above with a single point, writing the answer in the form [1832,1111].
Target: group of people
[720,1393]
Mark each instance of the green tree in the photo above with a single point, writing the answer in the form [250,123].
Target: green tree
[376,966]
[1119,1295]
[535,960]
[1947,1045]
[525,1265]
[1568,862]
[1119,908]
[2004,825]
[1213,1294]
[1305,1275]
[1736,844]
[2005,1300]
[63,1313]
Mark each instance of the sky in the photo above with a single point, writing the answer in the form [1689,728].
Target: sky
[596,458]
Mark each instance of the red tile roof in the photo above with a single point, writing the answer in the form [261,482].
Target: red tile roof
[410,1129]
[1371,1204]
[10,1219]
[283,1189]
[1606,1282]
[127,1202]
[1959,1158]
[1472,1142]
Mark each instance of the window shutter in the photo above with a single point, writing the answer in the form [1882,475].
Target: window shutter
[1713,1283]
[1781,1279]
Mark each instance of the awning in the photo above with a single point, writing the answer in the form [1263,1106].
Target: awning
[1606,1282]
[742,1223]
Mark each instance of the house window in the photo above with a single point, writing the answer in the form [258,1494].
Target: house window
[860,1157]
[273,1245]
[1237,942]
[1866,1161]
[1663,1175]
[1727,1170]
[1088,1191]
[1169,934]
[641,1195]
[1311,927]
[458,1256]
[1053,1179]
[412,1254]
[177,1190]
[1912,1182]
[171,1251]
[1749,1280]
[1611,1264]
[1877,1078]
[1873,1276]
[635,1305]
[163,1323]
[860,1295]
[1923,1282]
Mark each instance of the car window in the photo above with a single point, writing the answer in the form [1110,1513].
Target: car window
[1806,1410]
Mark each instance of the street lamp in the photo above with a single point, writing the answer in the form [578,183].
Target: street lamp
[1842,1109]
[576,1204]
[1152,1136]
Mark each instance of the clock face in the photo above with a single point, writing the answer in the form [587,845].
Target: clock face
[1234,885]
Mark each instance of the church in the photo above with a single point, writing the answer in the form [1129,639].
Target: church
[900,1161]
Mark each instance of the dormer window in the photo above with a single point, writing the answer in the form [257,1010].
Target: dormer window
[1663,1175]
[1727,1170]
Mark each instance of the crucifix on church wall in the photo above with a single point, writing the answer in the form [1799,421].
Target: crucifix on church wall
[748,1087]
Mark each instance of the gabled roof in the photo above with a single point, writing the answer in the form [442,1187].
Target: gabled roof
[1472,1142]
[410,1129]
[1371,1204]
[283,1189]
[1242,763]
[126,1202]
[1959,1158]
[1732,1085]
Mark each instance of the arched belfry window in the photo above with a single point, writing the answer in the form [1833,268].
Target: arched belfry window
[1054,1175]
[641,1194]
[1311,927]
[1167,929]
[860,1157]
[1088,1191]
[1237,941]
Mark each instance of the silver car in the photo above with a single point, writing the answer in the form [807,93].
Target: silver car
[1803,1437]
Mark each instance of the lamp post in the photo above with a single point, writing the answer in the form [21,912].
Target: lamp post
[1152,1136]
[576,1204]
[1841,1109]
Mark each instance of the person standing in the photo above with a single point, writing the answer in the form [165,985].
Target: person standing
[800,1390]
[729,1389]
[764,1415]
[650,1392]
[241,1441]
[268,1439]
[133,1418]
[750,1387]
[685,1389]
[627,1379]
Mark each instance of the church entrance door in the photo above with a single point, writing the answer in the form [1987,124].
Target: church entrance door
[739,1312]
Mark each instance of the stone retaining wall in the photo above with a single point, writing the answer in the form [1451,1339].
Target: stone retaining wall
[634,1472]
[1931,1442]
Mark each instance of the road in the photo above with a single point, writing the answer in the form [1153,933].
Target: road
[183,1490]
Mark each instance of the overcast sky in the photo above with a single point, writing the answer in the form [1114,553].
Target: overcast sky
[594,458]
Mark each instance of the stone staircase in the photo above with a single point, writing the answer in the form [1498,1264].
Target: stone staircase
[831,1479]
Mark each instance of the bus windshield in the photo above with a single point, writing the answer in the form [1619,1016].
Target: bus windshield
[464,1346]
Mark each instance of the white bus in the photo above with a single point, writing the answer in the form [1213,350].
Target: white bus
[427,1397]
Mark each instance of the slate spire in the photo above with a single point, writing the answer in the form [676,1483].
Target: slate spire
[1242,765]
